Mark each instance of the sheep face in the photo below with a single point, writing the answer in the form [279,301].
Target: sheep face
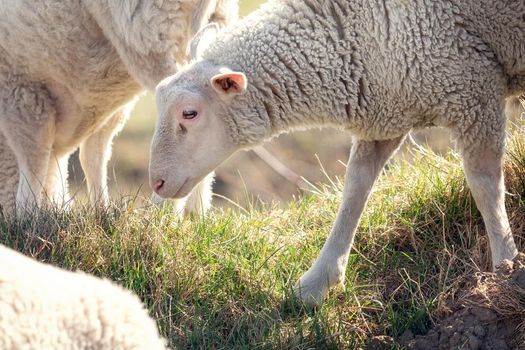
[192,135]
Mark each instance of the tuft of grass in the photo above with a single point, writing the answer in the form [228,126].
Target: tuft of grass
[224,281]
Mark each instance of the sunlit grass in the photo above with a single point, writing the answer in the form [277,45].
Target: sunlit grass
[224,281]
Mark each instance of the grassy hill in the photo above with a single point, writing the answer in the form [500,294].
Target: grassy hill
[224,281]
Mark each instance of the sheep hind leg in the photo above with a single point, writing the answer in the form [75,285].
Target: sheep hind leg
[484,172]
[95,153]
[33,156]
[367,159]
[56,186]
[8,176]
[198,202]
[28,123]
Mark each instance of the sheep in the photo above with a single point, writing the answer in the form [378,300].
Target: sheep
[44,307]
[71,71]
[376,69]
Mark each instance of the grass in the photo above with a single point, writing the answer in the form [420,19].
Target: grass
[224,281]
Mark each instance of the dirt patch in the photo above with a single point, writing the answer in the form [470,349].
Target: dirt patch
[490,314]
[380,342]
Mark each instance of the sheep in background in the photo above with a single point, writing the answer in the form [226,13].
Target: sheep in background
[70,72]
[377,69]
[43,307]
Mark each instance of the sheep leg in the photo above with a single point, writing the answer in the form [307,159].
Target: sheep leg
[484,172]
[56,186]
[32,165]
[8,176]
[199,200]
[367,159]
[33,159]
[95,153]
[27,119]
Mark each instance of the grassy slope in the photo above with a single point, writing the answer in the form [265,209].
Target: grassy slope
[224,281]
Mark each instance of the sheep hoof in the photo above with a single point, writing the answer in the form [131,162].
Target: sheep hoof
[311,290]
[505,255]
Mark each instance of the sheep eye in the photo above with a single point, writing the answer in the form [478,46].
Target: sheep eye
[189,114]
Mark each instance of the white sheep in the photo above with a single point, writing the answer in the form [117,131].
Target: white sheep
[43,307]
[376,69]
[70,72]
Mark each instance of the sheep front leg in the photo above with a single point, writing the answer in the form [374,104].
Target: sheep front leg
[367,159]
[95,153]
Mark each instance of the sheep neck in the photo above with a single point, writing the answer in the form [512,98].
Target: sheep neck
[303,68]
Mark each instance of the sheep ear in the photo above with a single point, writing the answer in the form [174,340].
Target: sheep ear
[230,83]
[202,40]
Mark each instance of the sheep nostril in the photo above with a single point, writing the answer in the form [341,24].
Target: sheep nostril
[158,185]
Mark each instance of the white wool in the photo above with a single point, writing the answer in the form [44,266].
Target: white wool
[43,307]
[375,68]
[70,72]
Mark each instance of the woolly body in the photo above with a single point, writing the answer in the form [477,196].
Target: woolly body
[375,68]
[372,66]
[69,71]
[43,307]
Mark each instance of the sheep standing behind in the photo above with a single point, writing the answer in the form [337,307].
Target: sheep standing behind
[43,307]
[377,69]
[70,72]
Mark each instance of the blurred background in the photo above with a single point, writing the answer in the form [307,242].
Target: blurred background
[276,172]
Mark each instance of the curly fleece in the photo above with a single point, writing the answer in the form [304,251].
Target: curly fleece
[69,69]
[377,68]
[43,307]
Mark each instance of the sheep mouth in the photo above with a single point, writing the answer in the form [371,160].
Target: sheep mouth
[183,190]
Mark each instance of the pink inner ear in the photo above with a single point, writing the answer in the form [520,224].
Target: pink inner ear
[230,82]
[226,84]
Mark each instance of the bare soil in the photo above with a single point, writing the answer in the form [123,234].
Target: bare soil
[490,314]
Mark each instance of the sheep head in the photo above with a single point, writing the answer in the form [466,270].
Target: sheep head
[192,133]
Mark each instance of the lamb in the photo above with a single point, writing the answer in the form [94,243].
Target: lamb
[70,71]
[376,69]
[43,307]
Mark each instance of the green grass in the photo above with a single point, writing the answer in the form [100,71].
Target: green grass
[224,281]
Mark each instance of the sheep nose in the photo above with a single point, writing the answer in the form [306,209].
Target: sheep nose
[158,185]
